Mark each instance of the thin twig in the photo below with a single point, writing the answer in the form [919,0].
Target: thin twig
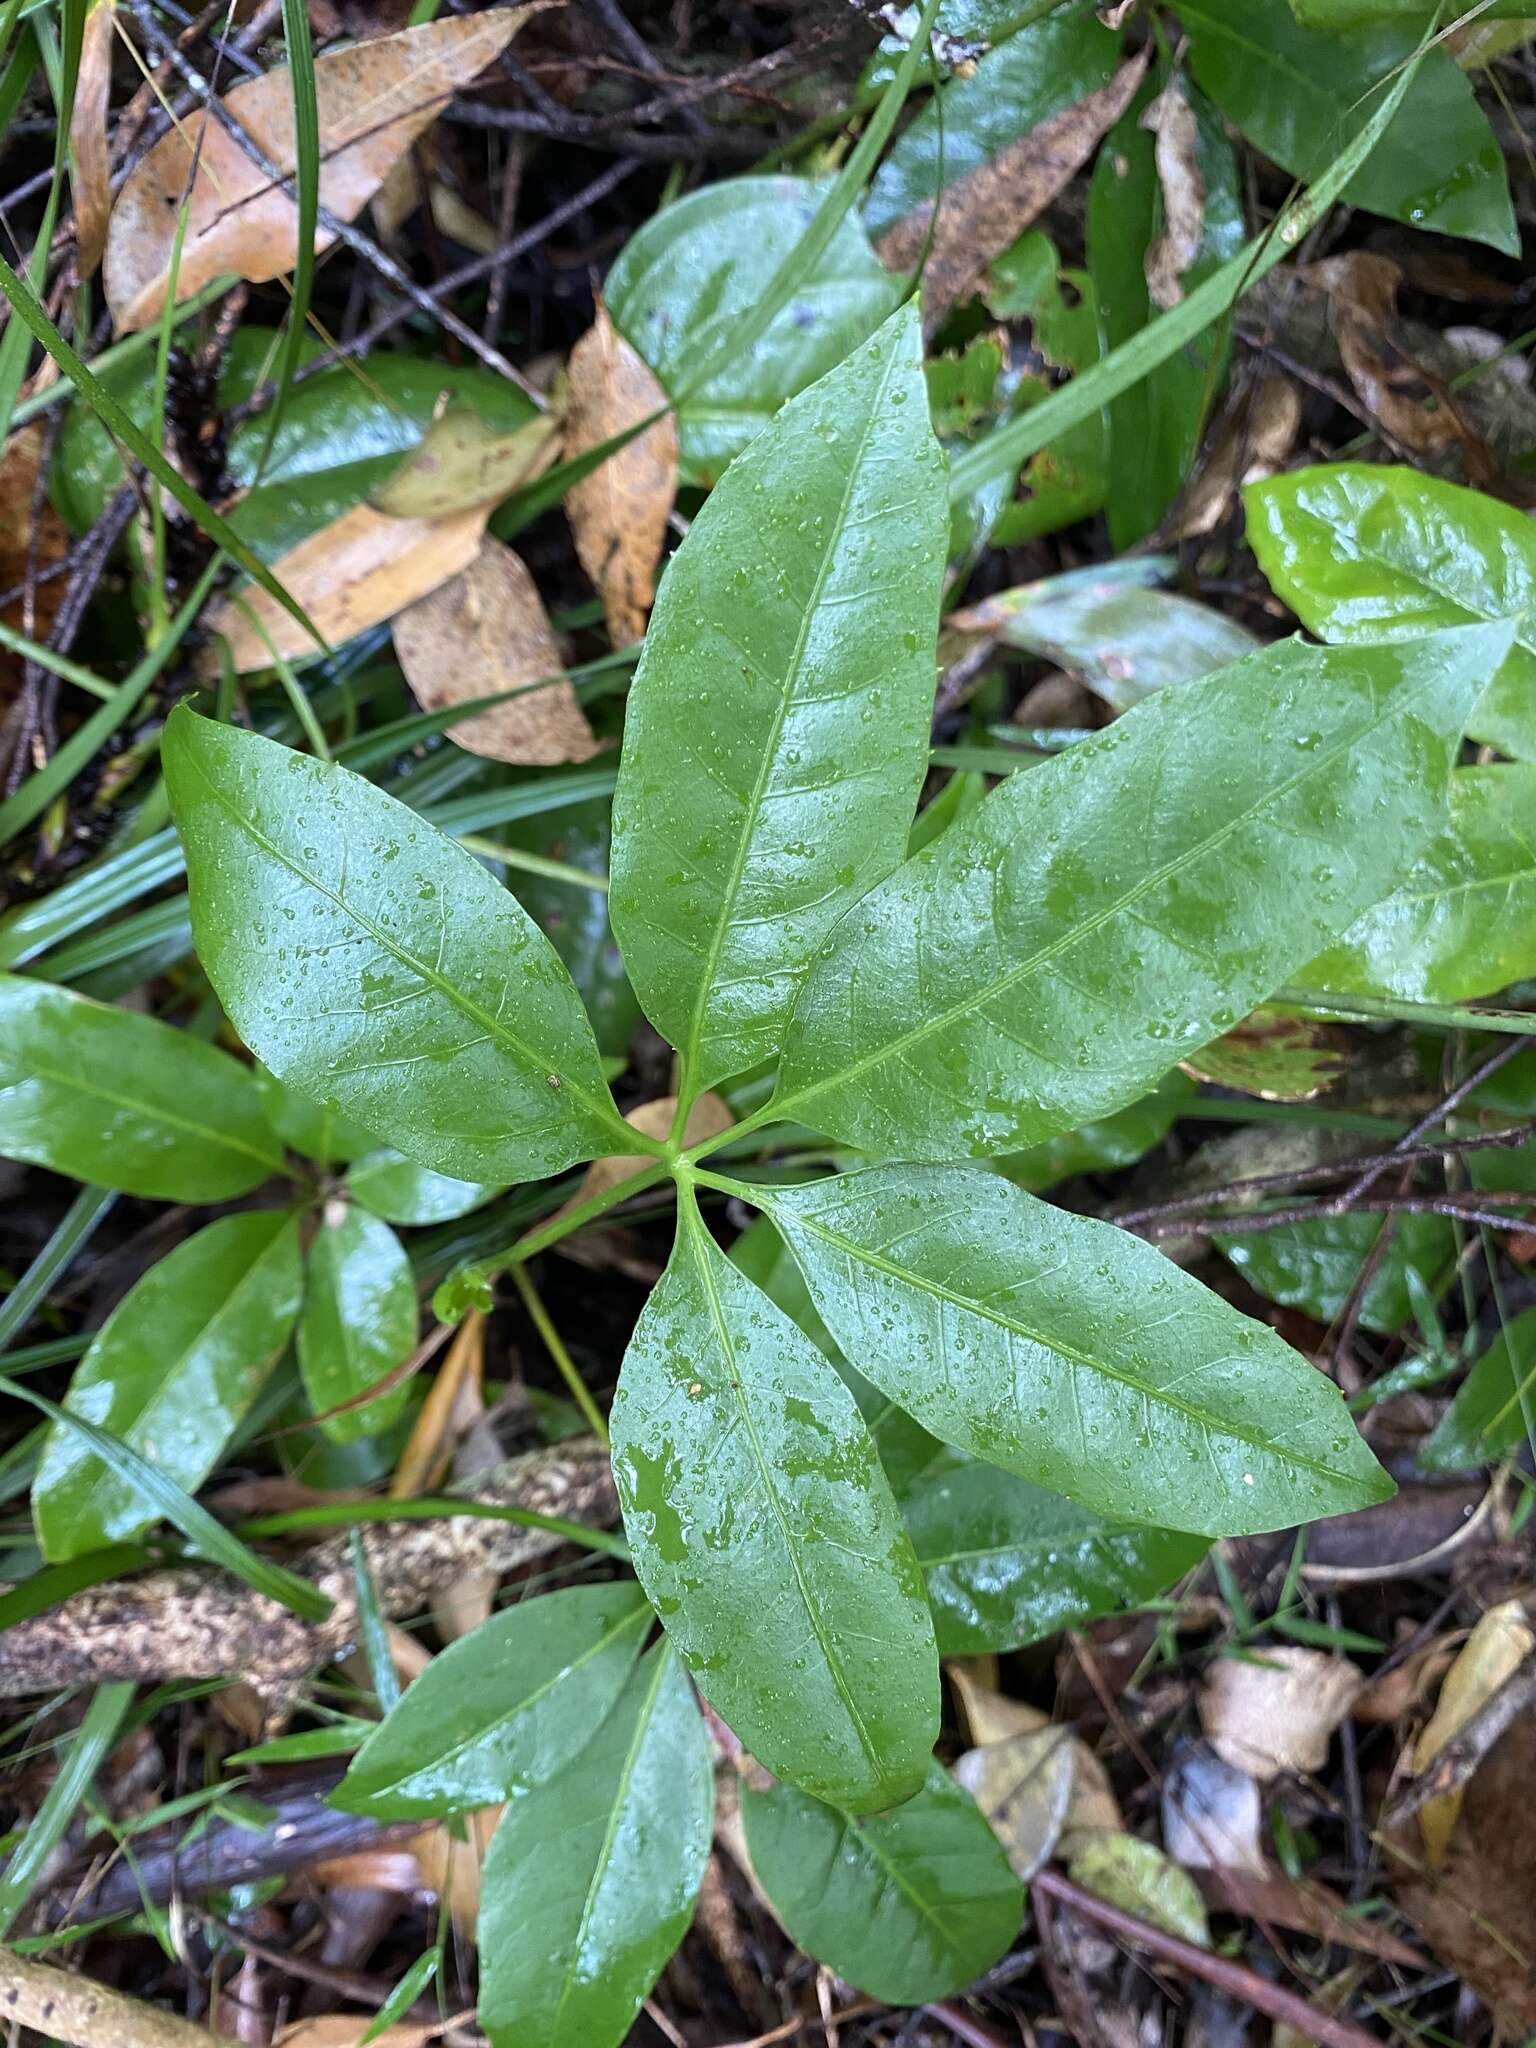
[1460,1757]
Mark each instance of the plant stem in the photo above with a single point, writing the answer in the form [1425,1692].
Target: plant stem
[533,863]
[554,1344]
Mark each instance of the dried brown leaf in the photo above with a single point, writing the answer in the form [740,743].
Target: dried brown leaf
[360,570]
[1258,436]
[460,462]
[981,213]
[346,2030]
[1277,1712]
[1176,152]
[1304,1906]
[484,632]
[21,499]
[619,513]
[374,99]
[429,1447]
[90,156]
[1501,1640]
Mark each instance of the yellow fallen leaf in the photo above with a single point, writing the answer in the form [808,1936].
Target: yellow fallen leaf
[619,513]
[1500,1641]
[424,1460]
[1007,1734]
[460,462]
[90,157]
[487,631]
[346,2030]
[374,99]
[360,570]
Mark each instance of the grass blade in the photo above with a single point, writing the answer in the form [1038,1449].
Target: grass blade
[92,1740]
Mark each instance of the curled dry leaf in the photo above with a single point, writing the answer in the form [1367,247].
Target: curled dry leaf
[1256,438]
[1274,1055]
[360,570]
[374,99]
[619,513]
[1176,154]
[90,157]
[1501,1641]
[1277,1711]
[486,631]
[460,462]
[428,1451]
[983,212]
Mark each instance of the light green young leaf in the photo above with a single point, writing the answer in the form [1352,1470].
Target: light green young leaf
[378,968]
[109,1096]
[1137,1876]
[1113,910]
[1463,924]
[502,1709]
[1009,1564]
[764,1531]
[1297,94]
[1494,1411]
[908,1906]
[590,1880]
[359,1322]
[1071,1353]
[1366,553]
[400,1191]
[698,267]
[171,1372]
[776,735]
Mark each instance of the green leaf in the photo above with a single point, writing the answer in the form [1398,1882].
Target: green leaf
[172,1372]
[695,271]
[1464,923]
[1314,1265]
[359,1322]
[1043,963]
[590,1880]
[1009,1564]
[1018,84]
[1119,1139]
[777,730]
[1361,553]
[1297,94]
[1494,1412]
[502,1709]
[1137,1876]
[400,1191]
[378,968]
[117,1098]
[766,1536]
[908,1906]
[576,920]
[1071,1353]
[306,1127]
[1154,428]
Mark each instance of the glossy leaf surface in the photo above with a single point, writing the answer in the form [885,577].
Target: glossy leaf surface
[1072,1353]
[172,1372]
[1314,1265]
[765,1533]
[377,967]
[1008,1564]
[1043,963]
[1366,553]
[502,1709]
[359,1322]
[700,265]
[590,1880]
[1298,94]
[1463,924]
[776,735]
[1119,1139]
[908,1906]
[120,1099]
[400,1191]
[1494,1411]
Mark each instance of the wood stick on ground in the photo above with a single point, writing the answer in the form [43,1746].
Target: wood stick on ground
[87,2015]
[192,1622]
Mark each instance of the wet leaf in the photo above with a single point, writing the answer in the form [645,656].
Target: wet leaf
[109,1096]
[619,513]
[374,99]
[777,728]
[908,1906]
[591,1879]
[1314,1265]
[484,631]
[1500,1643]
[765,1533]
[1277,1709]
[359,1322]
[1139,1878]
[90,156]
[1006,1733]
[501,1710]
[462,460]
[1083,1348]
[1494,1411]
[396,1188]
[1274,1055]
[352,574]
[1119,1139]
[934,1021]
[29,532]
[172,1372]
[378,967]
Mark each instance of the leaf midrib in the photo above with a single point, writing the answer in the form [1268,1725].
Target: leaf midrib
[870,1841]
[893,1049]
